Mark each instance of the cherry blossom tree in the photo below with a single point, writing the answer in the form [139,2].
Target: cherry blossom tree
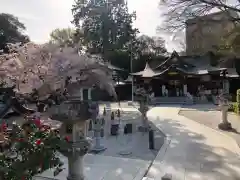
[46,68]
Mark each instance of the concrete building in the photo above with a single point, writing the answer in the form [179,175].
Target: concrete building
[204,34]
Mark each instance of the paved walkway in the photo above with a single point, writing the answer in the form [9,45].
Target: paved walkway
[193,151]
[211,118]
[100,167]
[110,165]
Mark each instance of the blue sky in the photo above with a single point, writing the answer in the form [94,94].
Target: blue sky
[42,16]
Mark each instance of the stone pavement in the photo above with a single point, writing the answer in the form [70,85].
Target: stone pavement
[110,165]
[192,151]
[99,167]
[211,117]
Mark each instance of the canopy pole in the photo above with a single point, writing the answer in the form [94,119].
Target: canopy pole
[131,60]
[132,91]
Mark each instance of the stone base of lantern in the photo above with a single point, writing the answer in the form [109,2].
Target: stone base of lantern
[225,126]
[70,178]
[125,153]
[98,149]
[75,169]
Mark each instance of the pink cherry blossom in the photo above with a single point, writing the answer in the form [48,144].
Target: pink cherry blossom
[46,67]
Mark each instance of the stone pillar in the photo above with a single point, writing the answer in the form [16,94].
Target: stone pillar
[87,128]
[163,90]
[143,110]
[97,136]
[185,89]
[81,94]
[225,86]
[89,93]
[224,125]
[178,92]
[75,153]
[97,125]
[224,113]
[75,168]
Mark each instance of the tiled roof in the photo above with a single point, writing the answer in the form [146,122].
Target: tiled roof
[148,72]
[198,65]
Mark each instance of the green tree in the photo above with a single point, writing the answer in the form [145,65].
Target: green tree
[66,37]
[11,30]
[106,25]
[143,49]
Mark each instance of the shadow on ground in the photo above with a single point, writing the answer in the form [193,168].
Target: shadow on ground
[110,165]
[201,107]
[212,119]
[137,143]
[194,155]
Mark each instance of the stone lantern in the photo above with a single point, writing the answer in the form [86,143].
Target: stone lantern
[97,124]
[223,103]
[224,125]
[142,97]
[74,115]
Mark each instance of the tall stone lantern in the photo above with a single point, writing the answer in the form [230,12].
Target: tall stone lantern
[223,103]
[94,109]
[74,115]
[142,97]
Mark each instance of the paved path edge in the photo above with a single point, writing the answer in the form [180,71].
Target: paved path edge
[218,131]
[159,157]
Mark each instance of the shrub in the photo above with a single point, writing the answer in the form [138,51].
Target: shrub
[236,108]
[34,147]
[231,107]
[238,96]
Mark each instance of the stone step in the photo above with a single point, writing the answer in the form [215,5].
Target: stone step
[169,100]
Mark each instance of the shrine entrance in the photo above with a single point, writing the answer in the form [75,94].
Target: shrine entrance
[174,88]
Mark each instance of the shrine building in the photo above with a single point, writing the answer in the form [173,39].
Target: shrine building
[180,76]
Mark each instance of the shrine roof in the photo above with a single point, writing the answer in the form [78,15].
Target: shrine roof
[112,67]
[194,65]
[148,72]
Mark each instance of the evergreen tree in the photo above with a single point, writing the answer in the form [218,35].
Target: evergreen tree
[106,25]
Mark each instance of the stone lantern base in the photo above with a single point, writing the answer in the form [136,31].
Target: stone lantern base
[225,126]
[98,149]
[75,171]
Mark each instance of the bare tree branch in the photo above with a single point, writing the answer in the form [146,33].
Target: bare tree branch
[179,11]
